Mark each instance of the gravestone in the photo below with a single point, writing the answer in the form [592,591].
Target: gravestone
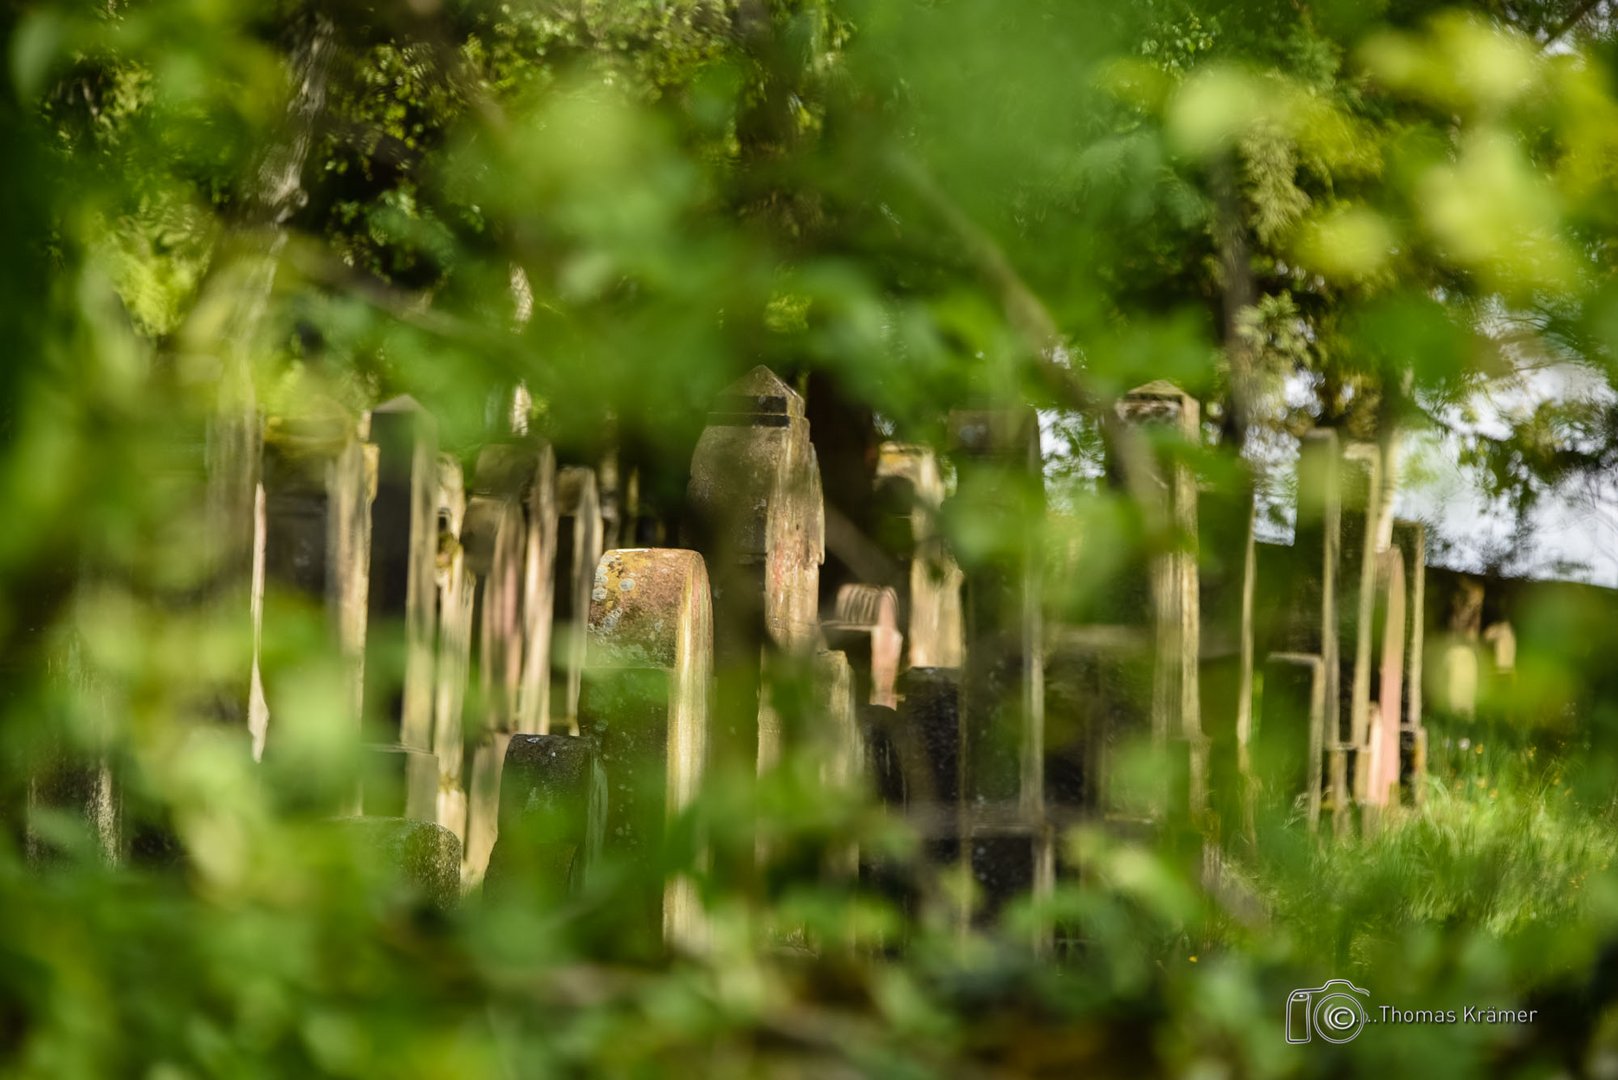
[910,489]
[928,748]
[1000,478]
[513,489]
[1379,775]
[1410,538]
[1169,418]
[1307,623]
[1290,740]
[1227,572]
[757,517]
[419,862]
[646,699]
[864,625]
[1361,486]
[552,812]
[578,549]
[319,477]
[456,589]
[403,609]
[840,745]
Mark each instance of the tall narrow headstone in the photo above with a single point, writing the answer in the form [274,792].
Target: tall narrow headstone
[319,480]
[578,549]
[758,519]
[841,747]
[1307,622]
[456,589]
[865,626]
[509,521]
[1410,537]
[1380,769]
[910,489]
[646,699]
[1158,409]
[1227,580]
[927,745]
[1000,479]
[1361,491]
[403,608]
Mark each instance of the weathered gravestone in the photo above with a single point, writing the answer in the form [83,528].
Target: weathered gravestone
[553,804]
[1169,418]
[1302,616]
[646,699]
[578,549]
[456,590]
[1410,537]
[319,477]
[927,744]
[839,744]
[911,492]
[865,627]
[403,613]
[756,514]
[1002,694]
[1227,579]
[509,528]
[1361,490]
[1289,743]
[417,862]
[1379,770]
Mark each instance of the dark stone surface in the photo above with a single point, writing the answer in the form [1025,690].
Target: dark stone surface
[930,714]
[552,806]
[426,858]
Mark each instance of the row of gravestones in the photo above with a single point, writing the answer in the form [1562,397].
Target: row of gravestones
[1282,680]
[573,699]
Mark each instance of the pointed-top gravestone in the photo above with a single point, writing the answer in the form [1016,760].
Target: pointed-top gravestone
[1000,478]
[757,517]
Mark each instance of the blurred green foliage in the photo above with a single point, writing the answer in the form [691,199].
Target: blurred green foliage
[1340,213]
